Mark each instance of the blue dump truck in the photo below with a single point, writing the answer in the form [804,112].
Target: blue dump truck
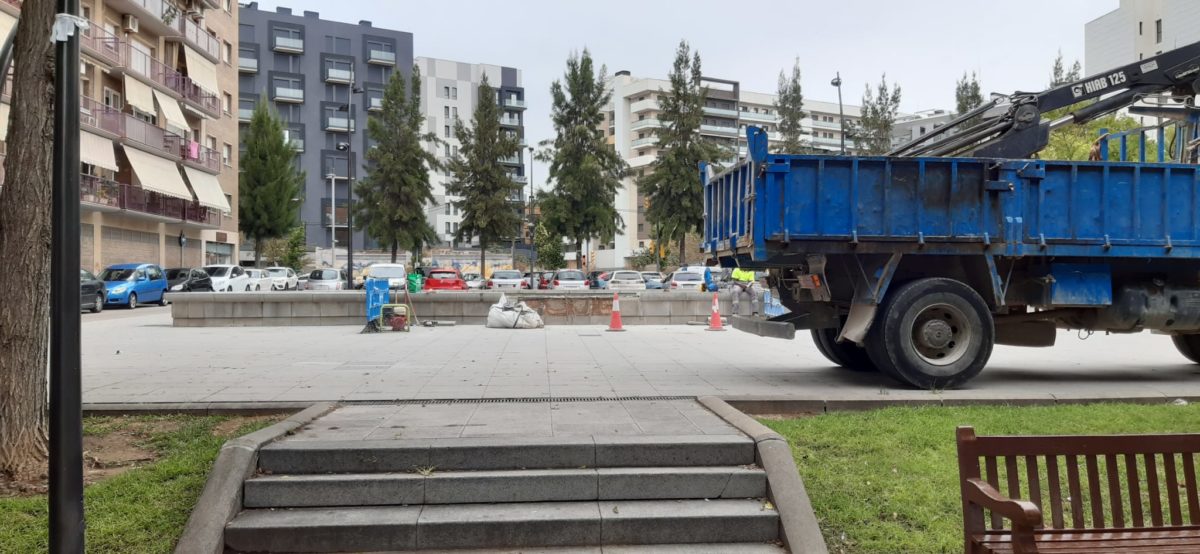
[916,263]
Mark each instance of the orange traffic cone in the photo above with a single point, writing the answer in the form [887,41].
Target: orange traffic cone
[714,321]
[614,324]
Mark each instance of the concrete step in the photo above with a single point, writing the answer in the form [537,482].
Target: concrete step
[291,457]
[715,548]
[471,487]
[499,526]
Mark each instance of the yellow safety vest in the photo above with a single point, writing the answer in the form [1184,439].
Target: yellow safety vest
[743,275]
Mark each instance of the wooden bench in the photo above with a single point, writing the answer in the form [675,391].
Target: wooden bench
[1124,493]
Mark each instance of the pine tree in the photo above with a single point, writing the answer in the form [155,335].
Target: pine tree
[585,171]
[673,188]
[484,188]
[269,183]
[394,195]
[790,106]
[1058,74]
[549,247]
[873,133]
[967,95]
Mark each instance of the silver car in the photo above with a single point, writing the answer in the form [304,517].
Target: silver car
[569,279]
[326,279]
[626,280]
[507,279]
[685,280]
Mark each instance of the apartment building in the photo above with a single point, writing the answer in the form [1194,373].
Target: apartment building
[631,121]
[159,173]
[910,127]
[450,92]
[324,78]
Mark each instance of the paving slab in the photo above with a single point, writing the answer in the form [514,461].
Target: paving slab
[137,357]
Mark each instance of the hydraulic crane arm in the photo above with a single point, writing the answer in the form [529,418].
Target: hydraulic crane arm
[1012,127]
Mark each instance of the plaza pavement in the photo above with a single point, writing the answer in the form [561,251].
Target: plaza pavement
[138,357]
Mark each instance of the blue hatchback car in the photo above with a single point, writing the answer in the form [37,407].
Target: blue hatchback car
[130,284]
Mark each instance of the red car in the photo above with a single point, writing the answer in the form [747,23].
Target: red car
[444,279]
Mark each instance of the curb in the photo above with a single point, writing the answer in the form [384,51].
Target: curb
[222,495]
[785,406]
[193,408]
[797,522]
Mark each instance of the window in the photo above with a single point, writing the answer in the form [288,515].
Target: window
[447,209]
[446,112]
[448,228]
[227,154]
[112,99]
[447,150]
[1139,28]
[228,103]
[454,93]
[229,6]
[227,53]
[454,112]
[446,92]
[455,226]
[1158,31]
[447,131]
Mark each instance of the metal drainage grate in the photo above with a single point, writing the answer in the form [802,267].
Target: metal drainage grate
[511,400]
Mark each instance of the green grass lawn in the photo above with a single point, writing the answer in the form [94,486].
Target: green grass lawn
[143,509]
[886,480]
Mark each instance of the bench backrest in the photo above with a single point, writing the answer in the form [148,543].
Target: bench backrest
[1086,482]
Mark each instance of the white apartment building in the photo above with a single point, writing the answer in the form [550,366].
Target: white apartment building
[632,118]
[449,93]
[910,127]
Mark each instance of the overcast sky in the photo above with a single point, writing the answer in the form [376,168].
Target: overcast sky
[922,45]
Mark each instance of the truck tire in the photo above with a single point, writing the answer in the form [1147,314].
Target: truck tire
[1189,346]
[845,354]
[932,333]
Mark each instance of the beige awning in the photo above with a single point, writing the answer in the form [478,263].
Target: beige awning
[7,22]
[97,150]
[170,110]
[157,174]
[202,71]
[138,95]
[208,189]
[4,111]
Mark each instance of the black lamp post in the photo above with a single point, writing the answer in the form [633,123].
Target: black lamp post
[837,82]
[533,280]
[351,126]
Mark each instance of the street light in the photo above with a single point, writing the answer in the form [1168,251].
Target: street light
[532,228]
[351,126]
[332,221]
[837,82]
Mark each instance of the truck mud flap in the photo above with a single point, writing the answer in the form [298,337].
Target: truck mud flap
[764,327]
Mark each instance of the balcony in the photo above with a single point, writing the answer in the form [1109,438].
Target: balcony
[825,124]
[335,75]
[288,44]
[206,43]
[159,17]
[339,123]
[640,161]
[520,179]
[645,124]
[719,130]
[245,114]
[645,141]
[375,103]
[722,112]
[104,194]
[11,7]
[510,121]
[766,118]
[152,138]
[200,98]
[155,72]
[102,45]
[247,65]
[514,103]
[297,144]
[511,160]
[196,155]
[381,57]
[98,117]
[288,94]
[647,105]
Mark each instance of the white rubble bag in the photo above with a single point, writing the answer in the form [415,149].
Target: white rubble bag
[503,315]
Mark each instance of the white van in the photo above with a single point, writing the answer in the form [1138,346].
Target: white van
[395,274]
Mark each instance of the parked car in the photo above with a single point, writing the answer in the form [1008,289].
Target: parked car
[91,292]
[597,279]
[569,279]
[474,280]
[444,278]
[396,275]
[654,280]
[258,279]
[188,279]
[283,278]
[227,278]
[326,279]
[626,280]
[507,279]
[685,280]
[129,284]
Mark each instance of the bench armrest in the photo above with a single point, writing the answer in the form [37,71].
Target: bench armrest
[1025,515]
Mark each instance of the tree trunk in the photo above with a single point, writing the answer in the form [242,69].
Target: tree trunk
[682,250]
[483,258]
[579,255]
[258,251]
[25,249]
[395,248]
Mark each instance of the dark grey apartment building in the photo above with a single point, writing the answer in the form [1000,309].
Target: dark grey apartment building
[310,69]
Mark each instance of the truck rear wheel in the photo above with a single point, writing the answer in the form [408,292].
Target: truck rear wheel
[845,354]
[932,334]
[1189,346]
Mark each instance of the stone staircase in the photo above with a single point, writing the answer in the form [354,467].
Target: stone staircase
[685,493]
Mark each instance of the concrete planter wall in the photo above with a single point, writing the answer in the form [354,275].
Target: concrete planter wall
[464,308]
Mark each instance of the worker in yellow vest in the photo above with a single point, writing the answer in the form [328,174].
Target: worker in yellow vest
[744,282]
